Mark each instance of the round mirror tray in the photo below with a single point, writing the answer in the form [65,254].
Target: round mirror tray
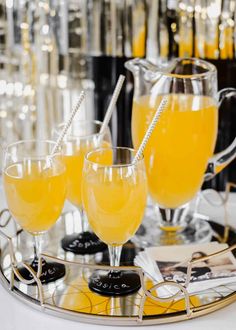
[70,297]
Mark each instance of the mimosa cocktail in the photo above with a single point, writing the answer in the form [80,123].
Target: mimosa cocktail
[34,181]
[82,137]
[114,193]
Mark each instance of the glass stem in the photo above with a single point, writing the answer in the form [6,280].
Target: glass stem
[114,253]
[84,223]
[37,246]
[173,219]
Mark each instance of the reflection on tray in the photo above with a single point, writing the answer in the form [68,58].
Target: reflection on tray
[77,297]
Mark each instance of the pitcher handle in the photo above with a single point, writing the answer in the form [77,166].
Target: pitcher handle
[220,160]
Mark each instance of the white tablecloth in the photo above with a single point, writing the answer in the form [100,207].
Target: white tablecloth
[14,315]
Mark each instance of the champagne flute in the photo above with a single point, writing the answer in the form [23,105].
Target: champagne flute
[82,137]
[114,192]
[35,184]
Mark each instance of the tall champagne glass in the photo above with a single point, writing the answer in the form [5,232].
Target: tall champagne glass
[114,195]
[82,137]
[35,184]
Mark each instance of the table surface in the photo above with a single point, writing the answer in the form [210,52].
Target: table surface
[15,315]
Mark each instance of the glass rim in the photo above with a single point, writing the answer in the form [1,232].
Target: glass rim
[46,141]
[211,68]
[83,137]
[113,165]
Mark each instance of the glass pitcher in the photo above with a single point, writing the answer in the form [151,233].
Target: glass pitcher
[179,154]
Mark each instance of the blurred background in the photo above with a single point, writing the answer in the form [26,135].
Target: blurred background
[52,49]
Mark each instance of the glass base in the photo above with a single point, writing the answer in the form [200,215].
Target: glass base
[197,230]
[83,243]
[114,283]
[51,271]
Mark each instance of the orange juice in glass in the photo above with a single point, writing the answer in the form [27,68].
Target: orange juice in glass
[74,162]
[110,204]
[82,137]
[28,188]
[34,182]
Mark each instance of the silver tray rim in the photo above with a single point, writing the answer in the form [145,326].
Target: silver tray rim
[115,320]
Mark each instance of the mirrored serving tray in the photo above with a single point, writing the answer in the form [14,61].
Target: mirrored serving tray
[70,297]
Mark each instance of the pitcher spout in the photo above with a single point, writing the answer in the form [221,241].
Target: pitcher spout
[143,67]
